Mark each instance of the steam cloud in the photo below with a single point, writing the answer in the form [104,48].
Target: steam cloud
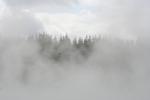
[110,68]
[101,69]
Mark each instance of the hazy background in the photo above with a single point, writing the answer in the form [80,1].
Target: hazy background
[114,66]
[127,19]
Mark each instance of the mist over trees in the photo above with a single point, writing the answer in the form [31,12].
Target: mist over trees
[92,65]
[22,58]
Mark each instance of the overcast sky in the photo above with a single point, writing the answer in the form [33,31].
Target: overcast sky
[118,18]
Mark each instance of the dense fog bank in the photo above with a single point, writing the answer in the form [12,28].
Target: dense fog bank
[93,69]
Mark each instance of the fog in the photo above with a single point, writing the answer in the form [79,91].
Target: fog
[36,65]
[98,69]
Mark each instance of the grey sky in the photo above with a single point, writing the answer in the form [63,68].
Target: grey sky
[117,18]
